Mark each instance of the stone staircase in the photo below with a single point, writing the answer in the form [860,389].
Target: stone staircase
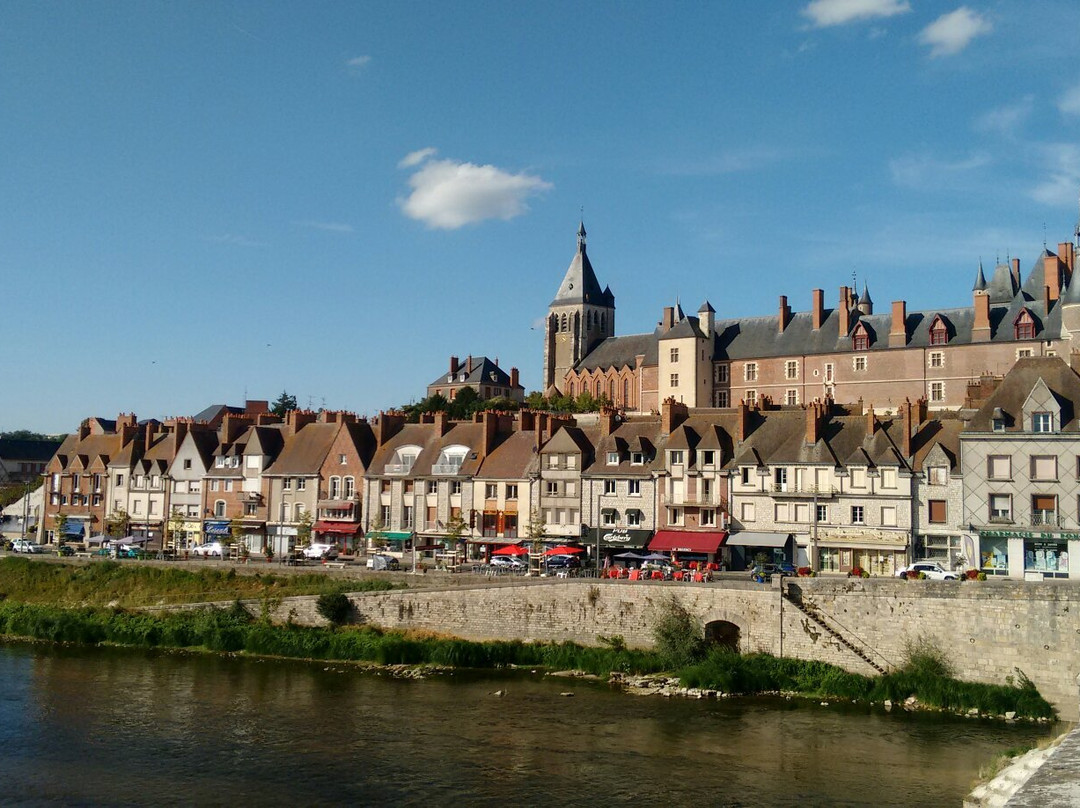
[812,613]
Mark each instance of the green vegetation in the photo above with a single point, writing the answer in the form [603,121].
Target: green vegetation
[678,635]
[114,583]
[334,606]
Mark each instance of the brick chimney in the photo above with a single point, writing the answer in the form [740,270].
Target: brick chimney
[1067,255]
[526,420]
[744,422]
[125,419]
[907,434]
[257,407]
[1052,271]
[491,433]
[233,426]
[295,420]
[541,428]
[845,311]
[453,365]
[267,418]
[442,422]
[513,379]
[387,425]
[898,329]
[980,328]
[668,319]
[1047,299]
[180,431]
[84,429]
[785,314]
[1014,266]
[814,422]
[468,365]
[817,307]
[871,421]
[608,420]
[672,413]
[148,436]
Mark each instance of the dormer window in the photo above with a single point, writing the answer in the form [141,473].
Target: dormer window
[1042,422]
[860,339]
[1024,326]
[637,458]
[613,458]
[450,460]
[403,459]
[939,332]
[676,457]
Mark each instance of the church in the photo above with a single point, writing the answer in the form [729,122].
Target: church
[847,352]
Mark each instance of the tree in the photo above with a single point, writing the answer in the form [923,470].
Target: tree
[176,526]
[236,530]
[24,434]
[456,527]
[285,403]
[59,520]
[303,529]
[116,523]
[465,403]
[535,530]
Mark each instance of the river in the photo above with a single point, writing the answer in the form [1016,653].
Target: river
[120,727]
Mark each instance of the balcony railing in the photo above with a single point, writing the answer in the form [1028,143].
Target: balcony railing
[1046,518]
[446,468]
[791,490]
[1001,518]
[398,468]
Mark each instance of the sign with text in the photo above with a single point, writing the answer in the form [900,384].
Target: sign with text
[619,536]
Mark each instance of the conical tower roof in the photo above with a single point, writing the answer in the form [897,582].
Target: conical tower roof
[980,281]
[579,284]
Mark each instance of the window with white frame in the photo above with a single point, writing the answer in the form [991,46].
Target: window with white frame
[335,487]
[511,491]
[937,359]
[708,517]
[286,484]
[552,488]
[228,485]
[750,372]
[720,373]
[1044,468]
[791,369]
[675,456]
[1000,507]
[633,488]
[751,397]
[571,461]
[633,517]
[721,399]
[791,397]
[455,487]
[433,486]
[747,512]
[708,457]
[301,484]
[609,517]
[553,461]
[858,363]
[937,391]
[219,508]
[858,515]
[1042,422]
[822,514]
[613,458]
[491,490]
[676,516]
[609,487]
[350,487]
[637,458]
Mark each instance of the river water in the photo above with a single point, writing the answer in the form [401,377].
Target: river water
[119,727]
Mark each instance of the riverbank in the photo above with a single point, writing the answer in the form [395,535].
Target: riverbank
[237,630]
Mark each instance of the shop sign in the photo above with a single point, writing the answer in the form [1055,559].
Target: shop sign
[619,536]
[1028,534]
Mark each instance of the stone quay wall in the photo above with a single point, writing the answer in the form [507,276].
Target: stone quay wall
[989,630]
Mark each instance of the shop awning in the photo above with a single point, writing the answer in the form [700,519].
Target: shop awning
[753,538]
[216,528]
[390,535]
[344,528]
[618,537]
[683,541]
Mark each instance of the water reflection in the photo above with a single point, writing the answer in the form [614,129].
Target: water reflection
[133,728]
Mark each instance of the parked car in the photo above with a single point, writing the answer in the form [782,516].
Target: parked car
[510,562]
[933,570]
[383,562]
[563,562]
[316,550]
[65,550]
[26,546]
[210,549]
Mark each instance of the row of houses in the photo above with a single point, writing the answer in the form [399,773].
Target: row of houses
[994,485]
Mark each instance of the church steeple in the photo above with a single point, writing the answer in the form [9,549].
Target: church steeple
[581,237]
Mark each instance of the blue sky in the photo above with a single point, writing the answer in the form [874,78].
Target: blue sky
[206,199]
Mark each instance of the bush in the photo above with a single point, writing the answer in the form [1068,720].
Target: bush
[335,607]
[679,636]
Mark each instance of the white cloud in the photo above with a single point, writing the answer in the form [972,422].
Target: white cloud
[951,33]
[357,63]
[236,240]
[416,157]
[330,227]
[1006,119]
[924,171]
[448,195]
[1069,103]
[1061,161]
[826,13]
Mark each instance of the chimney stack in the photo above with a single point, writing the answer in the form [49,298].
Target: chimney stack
[453,365]
[814,422]
[1014,267]
[513,380]
[295,420]
[608,420]
[845,311]
[1052,266]
[256,407]
[387,425]
[744,422]
[817,305]
[468,365]
[541,428]
[1067,255]
[668,319]
[785,314]
[906,437]
[672,413]
[1047,300]
[871,421]
[898,329]
[491,432]
[442,422]
[980,327]
[84,429]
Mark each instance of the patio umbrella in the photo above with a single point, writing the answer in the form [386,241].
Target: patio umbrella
[630,554]
[655,557]
[511,549]
[564,550]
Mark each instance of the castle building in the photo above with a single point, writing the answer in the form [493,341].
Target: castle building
[848,352]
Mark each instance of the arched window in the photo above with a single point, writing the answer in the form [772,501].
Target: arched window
[350,487]
[611,391]
[939,332]
[626,392]
[563,327]
[572,390]
[298,511]
[219,508]
[335,487]
[597,393]
[860,339]
[1024,327]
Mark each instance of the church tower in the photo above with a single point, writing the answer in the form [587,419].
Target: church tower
[579,318]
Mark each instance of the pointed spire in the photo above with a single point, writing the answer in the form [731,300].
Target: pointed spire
[980,280]
[581,236]
[679,316]
[865,294]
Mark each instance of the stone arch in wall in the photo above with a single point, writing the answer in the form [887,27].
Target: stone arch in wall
[724,633]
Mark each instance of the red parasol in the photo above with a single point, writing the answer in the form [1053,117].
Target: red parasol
[563,551]
[511,549]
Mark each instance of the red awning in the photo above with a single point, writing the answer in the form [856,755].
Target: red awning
[682,541]
[344,528]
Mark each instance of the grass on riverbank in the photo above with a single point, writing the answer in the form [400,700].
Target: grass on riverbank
[237,630]
[128,584]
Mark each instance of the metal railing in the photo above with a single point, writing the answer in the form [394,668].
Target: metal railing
[446,468]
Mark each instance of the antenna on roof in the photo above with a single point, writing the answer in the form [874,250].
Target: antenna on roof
[1044,236]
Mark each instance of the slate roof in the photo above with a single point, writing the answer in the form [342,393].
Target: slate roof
[216,411]
[426,436]
[1017,386]
[579,285]
[484,371]
[513,459]
[622,351]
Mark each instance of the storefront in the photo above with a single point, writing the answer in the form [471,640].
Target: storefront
[747,546]
[613,540]
[340,533]
[184,535]
[1029,554]
[878,552]
[394,541]
[686,545]
[281,538]
[216,530]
